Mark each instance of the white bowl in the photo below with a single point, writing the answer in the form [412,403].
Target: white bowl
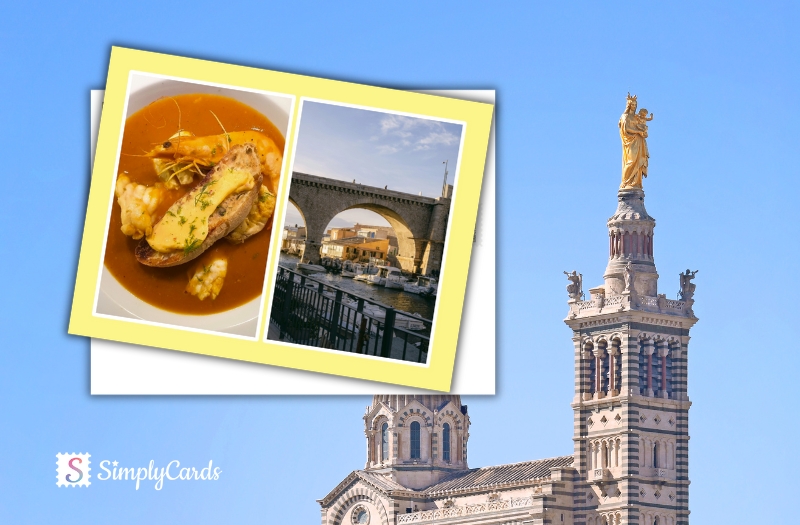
[114,299]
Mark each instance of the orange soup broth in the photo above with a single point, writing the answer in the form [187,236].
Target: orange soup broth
[165,287]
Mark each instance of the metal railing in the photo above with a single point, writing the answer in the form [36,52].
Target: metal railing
[311,312]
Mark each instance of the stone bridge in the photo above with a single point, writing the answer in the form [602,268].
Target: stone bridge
[420,223]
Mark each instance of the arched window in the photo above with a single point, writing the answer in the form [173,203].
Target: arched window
[655,455]
[385,442]
[642,370]
[446,442]
[415,440]
[605,371]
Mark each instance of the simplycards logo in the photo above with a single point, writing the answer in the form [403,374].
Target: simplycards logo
[72,470]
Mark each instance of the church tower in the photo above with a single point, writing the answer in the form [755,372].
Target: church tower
[631,407]
[416,440]
[630,459]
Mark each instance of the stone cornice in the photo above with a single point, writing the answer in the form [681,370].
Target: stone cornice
[361,189]
[600,319]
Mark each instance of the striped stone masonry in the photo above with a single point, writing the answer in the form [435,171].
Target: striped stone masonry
[631,404]
[630,454]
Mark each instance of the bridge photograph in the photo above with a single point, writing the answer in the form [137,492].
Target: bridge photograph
[365,230]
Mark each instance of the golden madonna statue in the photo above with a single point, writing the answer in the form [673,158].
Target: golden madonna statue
[633,132]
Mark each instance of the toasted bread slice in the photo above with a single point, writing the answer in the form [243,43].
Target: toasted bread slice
[230,213]
[260,215]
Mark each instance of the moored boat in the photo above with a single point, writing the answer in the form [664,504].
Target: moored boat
[385,273]
[366,273]
[394,279]
[351,269]
[423,286]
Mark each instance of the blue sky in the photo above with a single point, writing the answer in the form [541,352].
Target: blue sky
[405,153]
[723,186]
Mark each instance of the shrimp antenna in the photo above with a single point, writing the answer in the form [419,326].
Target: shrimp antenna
[179,123]
[227,137]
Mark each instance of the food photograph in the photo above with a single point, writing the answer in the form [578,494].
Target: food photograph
[191,216]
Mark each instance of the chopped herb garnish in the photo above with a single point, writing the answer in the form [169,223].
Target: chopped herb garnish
[170,213]
[201,198]
[182,220]
[190,244]
[213,152]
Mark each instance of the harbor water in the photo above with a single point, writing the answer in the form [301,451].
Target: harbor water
[397,299]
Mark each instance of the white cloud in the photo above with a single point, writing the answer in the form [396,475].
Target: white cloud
[436,137]
[389,123]
[422,134]
[386,149]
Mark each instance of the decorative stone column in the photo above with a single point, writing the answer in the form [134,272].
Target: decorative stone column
[369,434]
[629,354]
[588,393]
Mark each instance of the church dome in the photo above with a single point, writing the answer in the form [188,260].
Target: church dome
[432,402]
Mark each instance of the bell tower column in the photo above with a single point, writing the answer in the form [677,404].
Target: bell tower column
[631,408]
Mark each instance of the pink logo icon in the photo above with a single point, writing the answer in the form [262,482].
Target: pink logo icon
[72,470]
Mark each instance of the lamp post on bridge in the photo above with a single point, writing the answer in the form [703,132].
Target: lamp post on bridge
[444,183]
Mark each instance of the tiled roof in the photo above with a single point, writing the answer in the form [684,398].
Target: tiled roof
[500,474]
[380,481]
[475,479]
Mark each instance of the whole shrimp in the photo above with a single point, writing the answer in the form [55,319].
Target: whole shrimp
[193,153]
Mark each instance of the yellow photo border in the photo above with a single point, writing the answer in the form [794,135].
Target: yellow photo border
[437,375]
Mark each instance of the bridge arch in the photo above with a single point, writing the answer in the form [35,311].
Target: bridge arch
[419,222]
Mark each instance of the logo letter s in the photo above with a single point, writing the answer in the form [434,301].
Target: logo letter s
[76,469]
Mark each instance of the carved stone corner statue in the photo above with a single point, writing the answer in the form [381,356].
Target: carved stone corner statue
[686,293]
[662,301]
[633,132]
[687,286]
[629,275]
[575,287]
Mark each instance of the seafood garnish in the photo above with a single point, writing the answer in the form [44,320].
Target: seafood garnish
[208,280]
[195,153]
[138,203]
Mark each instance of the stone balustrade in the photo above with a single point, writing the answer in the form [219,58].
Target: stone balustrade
[622,302]
[464,510]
